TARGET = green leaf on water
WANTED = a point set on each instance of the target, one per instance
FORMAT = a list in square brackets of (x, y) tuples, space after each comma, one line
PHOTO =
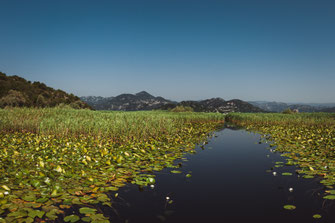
[(111, 188), (71, 218), (18, 214), (76, 201), (29, 220), (5, 187), (52, 214), (329, 197), (42, 200), (286, 174), (86, 219), (308, 176), (317, 216), (188, 175), (29, 197), (151, 180), (289, 207), (36, 213), (175, 171), (86, 210)]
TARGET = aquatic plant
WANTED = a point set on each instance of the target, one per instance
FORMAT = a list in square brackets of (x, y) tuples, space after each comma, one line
[(55, 159), (307, 139)]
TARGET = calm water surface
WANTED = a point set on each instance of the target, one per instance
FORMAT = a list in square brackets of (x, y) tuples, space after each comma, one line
[(231, 182)]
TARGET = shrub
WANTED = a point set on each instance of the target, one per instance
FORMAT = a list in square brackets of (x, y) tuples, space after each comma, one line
[(180, 108), (288, 111)]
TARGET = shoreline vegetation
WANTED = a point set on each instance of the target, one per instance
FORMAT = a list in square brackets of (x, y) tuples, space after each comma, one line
[(306, 139), (60, 164), (53, 160)]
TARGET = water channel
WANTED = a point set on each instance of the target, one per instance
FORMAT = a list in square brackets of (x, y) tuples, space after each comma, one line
[(232, 181)]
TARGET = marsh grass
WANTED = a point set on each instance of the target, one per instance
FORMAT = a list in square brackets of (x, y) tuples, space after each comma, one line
[(71, 122), (299, 119)]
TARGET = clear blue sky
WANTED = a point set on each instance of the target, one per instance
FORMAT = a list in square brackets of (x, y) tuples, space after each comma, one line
[(281, 50)]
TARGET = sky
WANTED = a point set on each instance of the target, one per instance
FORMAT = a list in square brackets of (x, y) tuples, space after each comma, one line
[(271, 50)]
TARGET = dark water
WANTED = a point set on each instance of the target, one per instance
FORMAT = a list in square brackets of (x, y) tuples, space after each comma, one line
[(230, 182)]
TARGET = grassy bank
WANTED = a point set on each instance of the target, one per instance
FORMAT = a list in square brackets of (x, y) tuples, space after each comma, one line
[(55, 159), (307, 139)]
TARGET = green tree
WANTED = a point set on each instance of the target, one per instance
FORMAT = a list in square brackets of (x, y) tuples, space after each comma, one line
[(14, 99)]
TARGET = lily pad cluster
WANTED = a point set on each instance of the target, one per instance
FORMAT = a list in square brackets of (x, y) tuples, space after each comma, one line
[(43, 175), (308, 140)]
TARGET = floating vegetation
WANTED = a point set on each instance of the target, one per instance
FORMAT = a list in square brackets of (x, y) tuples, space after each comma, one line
[(289, 207), (286, 174), (188, 175), (317, 216), (307, 139), (55, 159)]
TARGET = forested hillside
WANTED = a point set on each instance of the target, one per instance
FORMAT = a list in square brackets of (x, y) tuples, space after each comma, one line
[(15, 91)]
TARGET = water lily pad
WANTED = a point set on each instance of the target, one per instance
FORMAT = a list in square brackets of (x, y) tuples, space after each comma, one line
[(308, 176), (188, 175), (86, 219), (5, 187), (42, 200), (111, 188), (36, 213), (71, 218), (289, 207), (18, 214), (329, 197), (151, 180), (286, 174), (52, 214), (29, 197), (316, 216), (175, 171), (86, 210)]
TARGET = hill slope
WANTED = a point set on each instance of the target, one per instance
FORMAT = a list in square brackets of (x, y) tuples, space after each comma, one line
[(17, 92)]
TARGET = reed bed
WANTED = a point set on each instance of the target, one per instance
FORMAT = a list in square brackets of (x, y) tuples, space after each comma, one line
[(71, 122), (322, 119)]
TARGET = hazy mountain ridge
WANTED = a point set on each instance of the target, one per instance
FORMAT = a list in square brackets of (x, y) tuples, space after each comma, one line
[(145, 101), (302, 107)]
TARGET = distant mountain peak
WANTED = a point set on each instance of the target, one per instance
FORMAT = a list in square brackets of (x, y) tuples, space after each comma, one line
[(143, 93), (128, 102)]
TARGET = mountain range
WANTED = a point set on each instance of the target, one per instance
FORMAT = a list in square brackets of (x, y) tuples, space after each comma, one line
[(145, 101), (301, 107), (15, 91)]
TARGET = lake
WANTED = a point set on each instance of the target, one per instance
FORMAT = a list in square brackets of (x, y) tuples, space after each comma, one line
[(232, 181)]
